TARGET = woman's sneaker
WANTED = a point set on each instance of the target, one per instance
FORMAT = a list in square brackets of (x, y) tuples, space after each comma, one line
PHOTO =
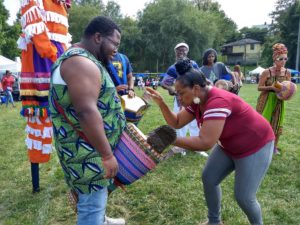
[(176, 150)]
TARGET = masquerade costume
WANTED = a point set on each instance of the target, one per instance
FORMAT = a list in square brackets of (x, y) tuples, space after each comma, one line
[(44, 38)]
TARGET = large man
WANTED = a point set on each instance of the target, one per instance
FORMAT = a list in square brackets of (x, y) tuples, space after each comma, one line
[(120, 71), (87, 117), (181, 51)]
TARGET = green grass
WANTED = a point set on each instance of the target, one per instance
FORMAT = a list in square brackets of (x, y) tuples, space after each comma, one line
[(170, 195)]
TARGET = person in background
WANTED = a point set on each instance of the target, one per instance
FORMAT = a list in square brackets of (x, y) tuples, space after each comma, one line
[(120, 72), (230, 126), (181, 52), (88, 119), (214, 70), (147, 83), (239, 77), (8, 81), (272, 108)]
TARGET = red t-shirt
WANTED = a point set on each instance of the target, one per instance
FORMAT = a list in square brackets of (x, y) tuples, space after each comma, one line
[(8, 81), (245, 130)]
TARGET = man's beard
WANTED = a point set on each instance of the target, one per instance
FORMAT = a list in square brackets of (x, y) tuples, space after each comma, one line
[(101, 56)]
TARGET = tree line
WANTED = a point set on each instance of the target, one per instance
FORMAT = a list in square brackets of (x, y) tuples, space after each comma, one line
[(148, 40)]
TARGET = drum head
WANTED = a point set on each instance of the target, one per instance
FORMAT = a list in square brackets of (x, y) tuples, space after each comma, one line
[(135, 104)]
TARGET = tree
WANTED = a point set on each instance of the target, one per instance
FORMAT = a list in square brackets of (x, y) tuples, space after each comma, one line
[(255, 33), (285, 28), (10, 48), (227, 29), (131, 42), (89, 2), (79, 17), (8, 34), (164, 23), (113, 10), (4, 15)]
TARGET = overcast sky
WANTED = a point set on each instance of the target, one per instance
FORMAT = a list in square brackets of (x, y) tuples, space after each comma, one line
[(242, 12)]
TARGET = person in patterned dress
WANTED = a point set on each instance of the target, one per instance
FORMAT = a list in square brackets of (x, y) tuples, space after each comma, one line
[(272, 108), (87, 118)]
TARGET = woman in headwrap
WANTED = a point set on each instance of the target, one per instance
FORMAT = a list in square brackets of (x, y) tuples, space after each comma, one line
[(272, 108), (44, 38)]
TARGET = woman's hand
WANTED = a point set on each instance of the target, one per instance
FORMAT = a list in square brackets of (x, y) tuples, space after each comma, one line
[(275, 89), (155, 96)]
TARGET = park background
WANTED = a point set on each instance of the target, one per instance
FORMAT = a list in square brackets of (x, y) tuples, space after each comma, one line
[(172, 194)]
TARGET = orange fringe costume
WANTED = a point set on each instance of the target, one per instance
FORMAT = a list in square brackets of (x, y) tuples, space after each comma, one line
[(44, 38)]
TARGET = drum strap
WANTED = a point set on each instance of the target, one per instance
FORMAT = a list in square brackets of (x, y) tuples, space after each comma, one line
[(82, 135), (62, 112)]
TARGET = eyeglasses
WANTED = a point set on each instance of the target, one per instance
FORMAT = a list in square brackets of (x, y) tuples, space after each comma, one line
[(281, 59), (181, 49), (115, 44)]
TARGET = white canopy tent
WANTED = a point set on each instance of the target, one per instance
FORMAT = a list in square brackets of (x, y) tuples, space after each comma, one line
[(256, 71), (7, 64)]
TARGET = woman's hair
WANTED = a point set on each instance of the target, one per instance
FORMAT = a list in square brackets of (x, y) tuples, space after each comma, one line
[(279, 49), (237, 68), (188, 76), (101, 24), (206, 54)]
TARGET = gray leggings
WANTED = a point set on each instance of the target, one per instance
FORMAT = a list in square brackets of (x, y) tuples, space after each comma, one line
[(249, 172)]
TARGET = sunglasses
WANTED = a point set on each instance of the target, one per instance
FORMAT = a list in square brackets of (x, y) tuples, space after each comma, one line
[(281, 59)]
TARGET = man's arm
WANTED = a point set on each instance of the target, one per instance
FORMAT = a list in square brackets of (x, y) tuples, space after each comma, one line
[(130, 80), (168, 81), (83, 80)]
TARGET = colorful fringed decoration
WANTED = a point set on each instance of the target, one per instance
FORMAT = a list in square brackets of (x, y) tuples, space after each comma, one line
[(44, 38)]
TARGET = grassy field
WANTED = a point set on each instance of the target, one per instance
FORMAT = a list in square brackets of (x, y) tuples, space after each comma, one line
[(170, 195)]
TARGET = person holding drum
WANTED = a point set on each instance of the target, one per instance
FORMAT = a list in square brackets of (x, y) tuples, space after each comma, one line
[(272, 108), (88, 119), (120, 71), (230, 126)]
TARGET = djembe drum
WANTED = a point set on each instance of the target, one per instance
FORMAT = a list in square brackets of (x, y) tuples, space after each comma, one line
[(134, 108), (287, 90), (138, 154)]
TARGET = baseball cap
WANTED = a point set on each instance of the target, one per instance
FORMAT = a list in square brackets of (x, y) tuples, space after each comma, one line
[(182, 44)]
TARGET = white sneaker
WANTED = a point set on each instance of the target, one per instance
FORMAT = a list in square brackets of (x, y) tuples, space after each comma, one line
[(176, 149), (203, 154), (113, 221)]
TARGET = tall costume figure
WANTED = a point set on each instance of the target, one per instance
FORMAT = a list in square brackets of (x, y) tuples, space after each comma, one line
[(272, 108), (44, 38)]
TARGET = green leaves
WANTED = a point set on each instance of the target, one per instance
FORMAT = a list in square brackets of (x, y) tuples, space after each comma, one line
[(8, 34)]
